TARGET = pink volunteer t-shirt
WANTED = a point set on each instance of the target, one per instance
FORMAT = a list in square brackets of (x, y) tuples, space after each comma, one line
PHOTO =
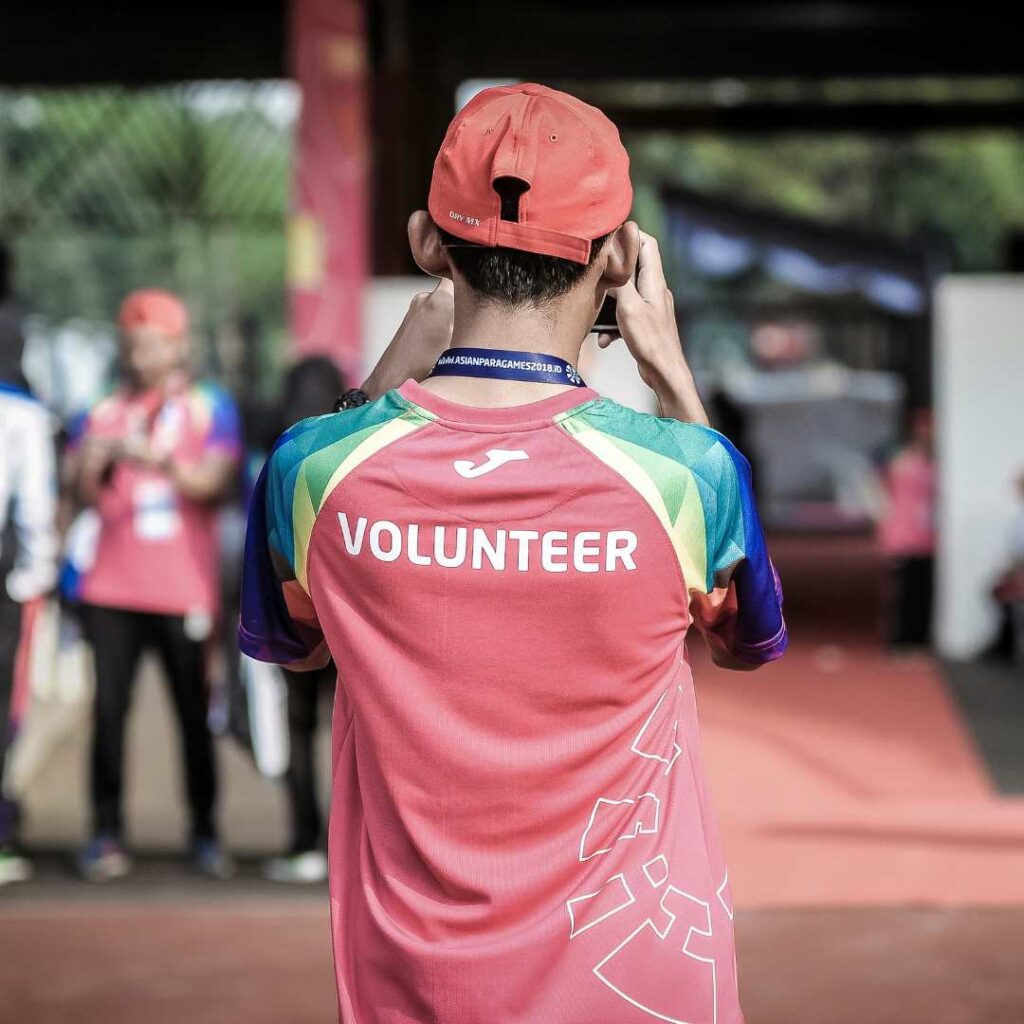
[(158, 550), (520, 827)]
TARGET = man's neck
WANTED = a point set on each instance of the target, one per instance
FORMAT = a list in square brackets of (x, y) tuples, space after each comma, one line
[(558, 329)]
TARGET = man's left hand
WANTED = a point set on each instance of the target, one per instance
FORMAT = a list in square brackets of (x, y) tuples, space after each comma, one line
[(423, 335)]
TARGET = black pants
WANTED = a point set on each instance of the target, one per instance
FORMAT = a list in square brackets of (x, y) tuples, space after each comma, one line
[(10, 635), (118, 639), (304, 694), (910, 614)]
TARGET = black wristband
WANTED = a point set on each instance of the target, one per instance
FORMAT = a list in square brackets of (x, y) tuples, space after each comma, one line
[(351, 399)]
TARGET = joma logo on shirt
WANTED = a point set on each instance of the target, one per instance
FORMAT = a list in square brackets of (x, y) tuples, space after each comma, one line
[(515, 550), (496, 458)]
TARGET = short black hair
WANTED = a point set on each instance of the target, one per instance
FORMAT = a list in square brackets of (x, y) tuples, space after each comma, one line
[(513, 277)]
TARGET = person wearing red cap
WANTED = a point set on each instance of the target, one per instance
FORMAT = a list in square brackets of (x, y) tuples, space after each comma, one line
[(505, 567), (156, 457)]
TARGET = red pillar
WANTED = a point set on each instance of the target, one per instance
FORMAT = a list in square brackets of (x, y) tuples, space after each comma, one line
[(327, 238)]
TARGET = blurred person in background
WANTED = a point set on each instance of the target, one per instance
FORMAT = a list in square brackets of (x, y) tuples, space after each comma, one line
[(155, 459), (28, 543), (907, 536), (311, 388), (1008, 591)]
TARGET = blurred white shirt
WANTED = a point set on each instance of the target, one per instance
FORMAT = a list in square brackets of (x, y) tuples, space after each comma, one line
[(28, 492)]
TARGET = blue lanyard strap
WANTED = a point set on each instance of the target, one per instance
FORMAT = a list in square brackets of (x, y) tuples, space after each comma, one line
[(536, 367)]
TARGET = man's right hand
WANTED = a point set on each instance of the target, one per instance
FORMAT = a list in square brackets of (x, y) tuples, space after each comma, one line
[(423, 335), (647, 323)]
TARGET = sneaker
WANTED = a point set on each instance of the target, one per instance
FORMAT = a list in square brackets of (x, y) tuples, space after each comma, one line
[(103, 860), (13, 868), (297, 868), (210, 859)]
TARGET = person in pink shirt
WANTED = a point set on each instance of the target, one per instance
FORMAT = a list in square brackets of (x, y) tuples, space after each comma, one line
[(506, 567), (156, 457), (906, 535)]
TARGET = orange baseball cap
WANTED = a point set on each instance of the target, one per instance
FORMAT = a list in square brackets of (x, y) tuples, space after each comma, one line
[(153, 307), (566, 153)]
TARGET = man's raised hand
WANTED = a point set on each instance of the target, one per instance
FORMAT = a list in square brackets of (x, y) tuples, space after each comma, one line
[(646, 319), (422, 336)]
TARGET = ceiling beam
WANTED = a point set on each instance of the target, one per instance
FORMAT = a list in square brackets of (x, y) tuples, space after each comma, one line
[(894, 118)]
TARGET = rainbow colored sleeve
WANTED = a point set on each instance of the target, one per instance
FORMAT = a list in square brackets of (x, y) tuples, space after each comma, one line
[(742, 609), (278, 622), (698, 485)]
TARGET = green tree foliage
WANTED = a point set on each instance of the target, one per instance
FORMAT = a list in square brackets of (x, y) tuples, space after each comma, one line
[(104, 190), (965, 187)]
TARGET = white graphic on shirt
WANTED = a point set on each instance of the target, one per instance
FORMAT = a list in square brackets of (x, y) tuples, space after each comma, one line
[(652, 945), (613, 896), (655, 740), (655, 941), (498, 549), (496, 458), (661, 871), (651, 729), (607, 827), (720, 893)]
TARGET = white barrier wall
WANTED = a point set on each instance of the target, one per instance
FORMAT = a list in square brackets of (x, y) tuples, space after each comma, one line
[(979, 394), (612, 372), (387, 299)]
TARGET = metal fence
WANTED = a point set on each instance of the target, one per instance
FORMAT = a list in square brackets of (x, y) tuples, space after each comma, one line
[(107, 189)]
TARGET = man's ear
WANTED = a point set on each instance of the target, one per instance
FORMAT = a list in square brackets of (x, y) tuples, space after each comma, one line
[(620, 254), (427, 249)]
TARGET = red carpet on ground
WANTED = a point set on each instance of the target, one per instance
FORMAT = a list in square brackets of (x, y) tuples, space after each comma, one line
[(845, 776)]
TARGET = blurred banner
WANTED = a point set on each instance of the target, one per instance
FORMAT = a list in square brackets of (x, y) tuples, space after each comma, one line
[(327, 234)]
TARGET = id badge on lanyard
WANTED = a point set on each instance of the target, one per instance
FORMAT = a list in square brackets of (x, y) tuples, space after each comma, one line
[(499, 364), (155, 512)]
